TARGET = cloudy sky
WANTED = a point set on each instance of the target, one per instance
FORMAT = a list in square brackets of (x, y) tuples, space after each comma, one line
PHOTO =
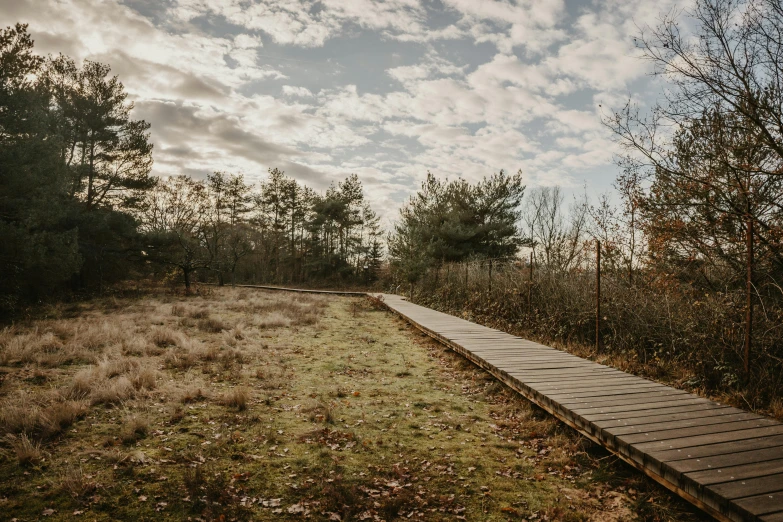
[(385, 89)]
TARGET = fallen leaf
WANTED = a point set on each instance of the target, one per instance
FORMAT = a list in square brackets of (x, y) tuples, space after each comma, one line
[(297, 509)]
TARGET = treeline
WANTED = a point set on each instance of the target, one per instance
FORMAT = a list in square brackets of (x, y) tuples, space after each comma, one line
[(691, 240), (225, 230), (79, 208)]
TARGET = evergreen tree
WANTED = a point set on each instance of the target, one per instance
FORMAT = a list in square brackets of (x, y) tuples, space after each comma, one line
[(39, 249), (456, 221)]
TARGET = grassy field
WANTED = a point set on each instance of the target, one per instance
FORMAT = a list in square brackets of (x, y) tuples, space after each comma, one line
[(238, 404)]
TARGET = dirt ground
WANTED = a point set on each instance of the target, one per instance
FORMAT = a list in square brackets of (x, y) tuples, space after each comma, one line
[(240, 404)]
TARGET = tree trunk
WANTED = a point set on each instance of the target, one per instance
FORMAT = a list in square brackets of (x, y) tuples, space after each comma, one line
[(91, 176), (186, 275)]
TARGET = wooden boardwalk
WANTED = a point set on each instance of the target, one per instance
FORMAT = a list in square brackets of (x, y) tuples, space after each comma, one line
[(726, 461)]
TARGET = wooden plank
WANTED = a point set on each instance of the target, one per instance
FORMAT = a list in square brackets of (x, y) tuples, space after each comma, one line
[(589, 384), (585, 372), (688, 413), (685, 422), (740, 472), (669, 455), (761, 504), (597, 399), (661, 435), (769, 484), (607, 391), (710, 439), (685, 401), (617, 416), (728, 460)]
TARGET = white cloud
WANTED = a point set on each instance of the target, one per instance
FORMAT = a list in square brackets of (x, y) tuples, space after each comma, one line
[(432, 65), (373, 87), (294, 91)]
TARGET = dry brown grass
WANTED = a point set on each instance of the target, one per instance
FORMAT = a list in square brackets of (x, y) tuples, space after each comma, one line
[(61, 415), (320, 412), (76, 483), (134, 428), (238, 398), (776, 409), (164, 337), (192, 394), (112, 392), (272, 320), (27, 451), (144, 378), (213, 325), (180, 359)]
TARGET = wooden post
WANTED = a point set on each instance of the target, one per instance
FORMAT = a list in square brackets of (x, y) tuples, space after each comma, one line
[(749, 297), (466, 276), (530, 286), (597, 296)]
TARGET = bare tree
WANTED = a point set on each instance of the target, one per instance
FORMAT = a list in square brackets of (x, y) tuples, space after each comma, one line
[(557, 233), (173, 216)]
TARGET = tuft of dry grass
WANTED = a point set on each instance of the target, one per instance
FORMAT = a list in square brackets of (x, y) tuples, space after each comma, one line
[(776, 408), (136, 346), (209, 354), (192, 394), (134, 428), (212, 325), (199, 314), (164, 337), (236, 398), (272, 320), (28, 452), (112, 392), (25, 414), (76, 483), (320, 412), (180, 359), (61, 415), (144, 378)]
